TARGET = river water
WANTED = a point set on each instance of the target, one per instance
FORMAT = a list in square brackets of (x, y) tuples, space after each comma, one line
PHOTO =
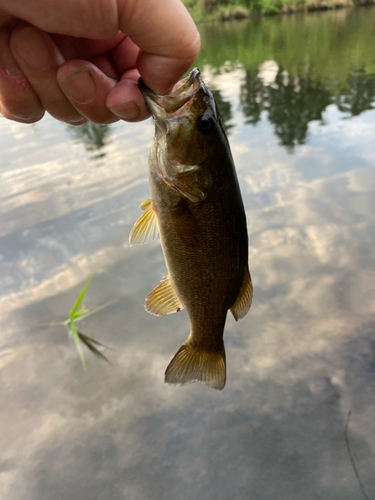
[(297, 96)]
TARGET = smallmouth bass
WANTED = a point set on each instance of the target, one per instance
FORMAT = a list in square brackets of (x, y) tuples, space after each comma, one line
[(197, 208)]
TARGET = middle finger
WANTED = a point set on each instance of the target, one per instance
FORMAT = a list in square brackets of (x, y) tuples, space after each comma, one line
[(39, 58)]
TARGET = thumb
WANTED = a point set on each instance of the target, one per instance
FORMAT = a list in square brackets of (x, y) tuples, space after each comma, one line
[(167, 36)]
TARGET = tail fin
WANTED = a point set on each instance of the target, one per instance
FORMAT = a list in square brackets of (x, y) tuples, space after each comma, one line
[(192, 364)]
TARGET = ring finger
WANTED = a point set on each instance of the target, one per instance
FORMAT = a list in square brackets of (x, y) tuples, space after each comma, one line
[(18, 101), (39, 58)]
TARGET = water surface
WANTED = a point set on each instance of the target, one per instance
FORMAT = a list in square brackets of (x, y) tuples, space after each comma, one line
[(297, 96)]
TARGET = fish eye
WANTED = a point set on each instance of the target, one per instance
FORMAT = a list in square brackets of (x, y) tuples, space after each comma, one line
[(206, 123)]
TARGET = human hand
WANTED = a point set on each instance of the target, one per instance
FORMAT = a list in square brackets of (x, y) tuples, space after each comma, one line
[(81, 60)]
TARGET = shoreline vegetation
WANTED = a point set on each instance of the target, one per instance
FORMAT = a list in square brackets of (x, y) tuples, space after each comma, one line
[(228, 10)]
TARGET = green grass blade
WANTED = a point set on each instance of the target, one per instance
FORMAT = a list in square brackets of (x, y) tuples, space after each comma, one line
[(89, 343), (80, 297), (77, 315), (87, 312), (74, 333)]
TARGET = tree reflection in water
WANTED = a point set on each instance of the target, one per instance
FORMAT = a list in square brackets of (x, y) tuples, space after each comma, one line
[(291, 102), (224, 108), (360, 96), (93, 136)]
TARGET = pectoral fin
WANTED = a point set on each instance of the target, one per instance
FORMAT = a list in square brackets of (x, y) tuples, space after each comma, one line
[(146, 204), (194, 184), (145, 229), (163, 299), (245, 296), (186, 226)]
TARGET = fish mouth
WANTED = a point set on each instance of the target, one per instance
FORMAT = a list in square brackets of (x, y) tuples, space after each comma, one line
[(182, 92)]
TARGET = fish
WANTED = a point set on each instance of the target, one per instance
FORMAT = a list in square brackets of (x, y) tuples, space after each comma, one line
[(197, 208)]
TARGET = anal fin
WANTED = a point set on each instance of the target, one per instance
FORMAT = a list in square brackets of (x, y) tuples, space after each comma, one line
[(163, 299), (192, 364), (146, 228), (245, 296)]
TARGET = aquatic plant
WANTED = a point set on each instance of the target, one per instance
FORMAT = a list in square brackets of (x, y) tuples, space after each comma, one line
[(78, 314)]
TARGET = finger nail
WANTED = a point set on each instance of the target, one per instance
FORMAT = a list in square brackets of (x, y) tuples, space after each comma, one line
[(31, 47), (79, 86), (32, 117), (11, 68), (128, 111), (8, 63)]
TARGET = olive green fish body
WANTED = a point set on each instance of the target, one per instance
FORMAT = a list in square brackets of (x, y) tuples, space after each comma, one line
[(197, 205), (206, 252)]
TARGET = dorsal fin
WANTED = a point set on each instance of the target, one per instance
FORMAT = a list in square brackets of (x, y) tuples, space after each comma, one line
[(192, 364), (245, 296), (146, 228), (163, 299)]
